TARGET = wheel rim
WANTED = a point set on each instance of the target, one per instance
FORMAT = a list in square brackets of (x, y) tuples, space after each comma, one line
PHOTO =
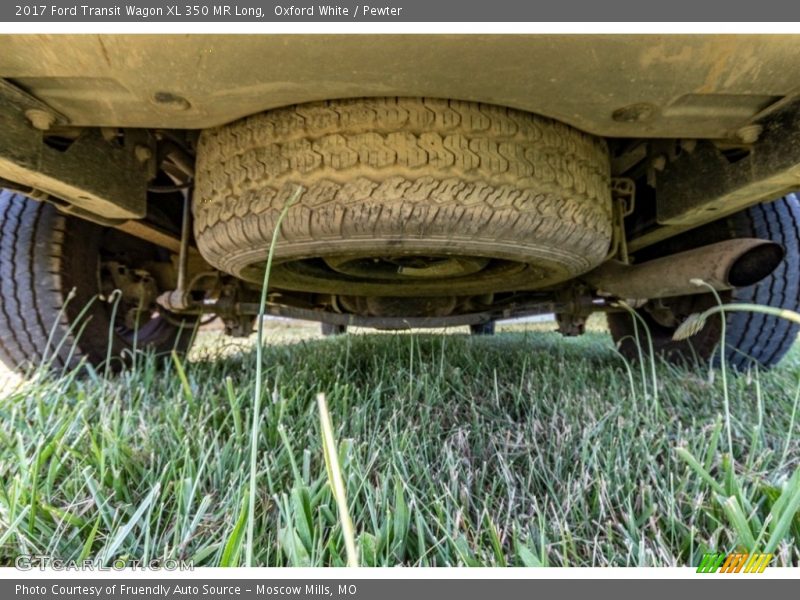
[(404, 275)]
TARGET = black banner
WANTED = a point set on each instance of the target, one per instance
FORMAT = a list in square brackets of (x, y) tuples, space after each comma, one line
[(712, 585), (255, 11)]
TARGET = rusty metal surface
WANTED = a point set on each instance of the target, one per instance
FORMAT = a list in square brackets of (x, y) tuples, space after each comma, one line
[(146, 231), (509, 312), (693, 86), (753, 259)]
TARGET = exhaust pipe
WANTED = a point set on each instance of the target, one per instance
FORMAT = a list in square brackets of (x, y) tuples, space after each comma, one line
[(724, 265)]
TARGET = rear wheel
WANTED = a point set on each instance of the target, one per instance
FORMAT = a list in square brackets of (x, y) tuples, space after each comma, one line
[(750, 338), (57, 300)]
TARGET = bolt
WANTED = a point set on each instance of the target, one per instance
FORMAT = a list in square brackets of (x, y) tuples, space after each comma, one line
[(142, 153), (749, 134), (40, 119)]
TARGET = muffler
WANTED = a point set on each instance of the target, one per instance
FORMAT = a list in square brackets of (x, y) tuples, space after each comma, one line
[(724, 265)]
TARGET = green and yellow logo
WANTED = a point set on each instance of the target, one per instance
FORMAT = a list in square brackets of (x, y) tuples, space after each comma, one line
[(716, 562)]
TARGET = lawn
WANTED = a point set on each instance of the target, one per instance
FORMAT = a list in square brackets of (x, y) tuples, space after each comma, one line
[(521, 449)]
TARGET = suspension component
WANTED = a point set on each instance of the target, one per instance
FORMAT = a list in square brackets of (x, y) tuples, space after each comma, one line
[(178, 299)]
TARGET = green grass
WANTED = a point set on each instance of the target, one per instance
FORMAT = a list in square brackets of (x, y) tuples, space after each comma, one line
[(523, 449)]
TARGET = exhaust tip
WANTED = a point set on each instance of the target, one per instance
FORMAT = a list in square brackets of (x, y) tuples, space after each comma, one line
[(755, 264)]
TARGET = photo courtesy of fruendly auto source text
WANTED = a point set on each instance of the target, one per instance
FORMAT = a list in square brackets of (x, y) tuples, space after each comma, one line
[(414, 298)]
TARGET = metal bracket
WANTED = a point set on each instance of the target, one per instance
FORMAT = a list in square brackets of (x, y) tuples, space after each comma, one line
[(623, 196), (476, 318), (704, 185), (179, 298), (229, 307), (94, 174)]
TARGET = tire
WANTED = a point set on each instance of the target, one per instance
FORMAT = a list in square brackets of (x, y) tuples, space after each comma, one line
[(329, 329), (751, 339), (482, 328), (44, 255), (474, 198)]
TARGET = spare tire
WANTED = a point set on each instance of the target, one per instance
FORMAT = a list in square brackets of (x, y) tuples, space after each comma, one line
[(403, 197)]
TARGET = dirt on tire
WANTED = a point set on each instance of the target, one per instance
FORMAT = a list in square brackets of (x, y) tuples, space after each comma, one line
[(526, 200)]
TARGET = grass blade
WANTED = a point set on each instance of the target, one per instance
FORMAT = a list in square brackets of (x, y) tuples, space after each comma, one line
[(257, 392), (336, 481), (233, 547), (108, 551)]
